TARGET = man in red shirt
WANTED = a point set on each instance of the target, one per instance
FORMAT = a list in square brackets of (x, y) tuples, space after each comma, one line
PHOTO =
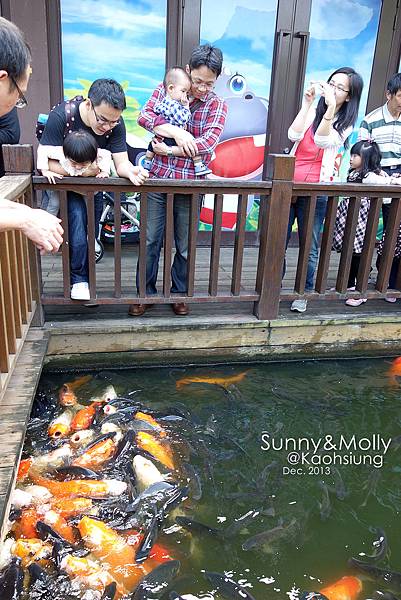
[(208, 114)]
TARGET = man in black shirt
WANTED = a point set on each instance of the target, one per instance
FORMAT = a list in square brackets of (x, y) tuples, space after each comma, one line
[(9, 133), (100, 114)]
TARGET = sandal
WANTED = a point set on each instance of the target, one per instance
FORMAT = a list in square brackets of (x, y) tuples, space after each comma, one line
[(355, 301)]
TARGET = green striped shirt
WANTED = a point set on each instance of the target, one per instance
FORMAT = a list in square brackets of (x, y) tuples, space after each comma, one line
[(381, 127)]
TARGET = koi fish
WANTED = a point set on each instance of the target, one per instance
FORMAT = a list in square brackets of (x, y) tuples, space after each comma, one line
[(39, 494), (112, 551), (394, 371), (221, 381), (71, 507), (140, 416), (31, 550), (84, 417), (112, 427), (97, 454), (60, 426), (146, 473), (346, 588), (59, 525), (20, 498), (67, 395), (90, 573), (23, 468), (90, 488), (80, 438), (53, 459), (25, 527), (162, 452)]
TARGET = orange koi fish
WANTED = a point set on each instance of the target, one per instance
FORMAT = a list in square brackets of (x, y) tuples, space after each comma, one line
[(158, 552), (85, 488), (112, 551), (97, 455), (67, 395), (161, 451), (25, 527), (31, 550), (60, 525), (222, 381), (84, 417), (346, 588), (61, 425), (23, 468), (394, 372), (140, 416), (71, 507), (90, 573)]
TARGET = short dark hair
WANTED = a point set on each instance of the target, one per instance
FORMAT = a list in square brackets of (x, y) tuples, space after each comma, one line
[(108, 91), (370, 154), (15, 55), (207, 56), (80, 146), (394, 85), (172, 76)]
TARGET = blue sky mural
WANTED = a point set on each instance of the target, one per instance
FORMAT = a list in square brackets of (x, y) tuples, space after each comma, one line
[(123, 39)]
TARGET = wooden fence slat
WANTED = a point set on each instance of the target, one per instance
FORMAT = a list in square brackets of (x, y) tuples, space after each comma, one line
[(239, 244), (117, 245), (28, 278), (192, 238), (216, 241), (305, 244), (15, 283), (368, 244), (65, 249), (8, 298), (4, 349), (168, 244), (22, 283), (390, 241), (325, 247), (354, 204), (90, 211), (142, 245)]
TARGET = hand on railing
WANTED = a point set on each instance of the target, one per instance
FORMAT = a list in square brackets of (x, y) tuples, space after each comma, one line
[(51, 176)]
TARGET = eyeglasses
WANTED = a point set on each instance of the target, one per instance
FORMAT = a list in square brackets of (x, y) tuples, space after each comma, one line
[(339, 88), (22, 101), (202, 84), (100, 119)]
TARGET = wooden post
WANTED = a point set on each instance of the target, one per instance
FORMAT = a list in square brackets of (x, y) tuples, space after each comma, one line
[(18, 159), (273, 235)]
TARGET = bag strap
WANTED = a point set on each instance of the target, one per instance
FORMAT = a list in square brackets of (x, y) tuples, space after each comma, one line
[(71, 107)]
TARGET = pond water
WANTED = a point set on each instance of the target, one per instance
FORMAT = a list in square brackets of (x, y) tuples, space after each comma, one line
[(299, 451)]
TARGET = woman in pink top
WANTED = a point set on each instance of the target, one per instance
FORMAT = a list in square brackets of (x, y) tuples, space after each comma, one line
[(318, 134)]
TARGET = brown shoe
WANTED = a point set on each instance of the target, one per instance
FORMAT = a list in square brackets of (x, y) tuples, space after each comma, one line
[(180, 308), (137, 310)]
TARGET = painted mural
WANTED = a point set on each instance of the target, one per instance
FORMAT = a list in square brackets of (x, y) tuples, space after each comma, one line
[(126, 40)]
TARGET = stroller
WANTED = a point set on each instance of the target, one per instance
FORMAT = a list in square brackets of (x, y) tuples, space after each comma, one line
[(129, 222)]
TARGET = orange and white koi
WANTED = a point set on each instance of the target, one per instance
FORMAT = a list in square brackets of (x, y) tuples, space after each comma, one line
[(81, 438), (25, 527), (112, 551), (160, 450), (71, 507), (90, 574), (67, 395), (346, 588), (146, 473), (90, 488), (84, 417), (221, 381), (394, 372), (149, 419), (110, 428), (97, 455), (31, 550), (61, 426), (54, 459), (60, 525)]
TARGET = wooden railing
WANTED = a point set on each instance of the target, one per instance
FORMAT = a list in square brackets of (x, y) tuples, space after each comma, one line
[(276, 195), (19, 270)]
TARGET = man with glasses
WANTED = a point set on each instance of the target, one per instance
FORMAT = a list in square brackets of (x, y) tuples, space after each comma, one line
[(43, 229), (208, 114), (100, 115)]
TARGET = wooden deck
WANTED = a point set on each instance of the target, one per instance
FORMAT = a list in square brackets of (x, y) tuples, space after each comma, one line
[(52, 284)]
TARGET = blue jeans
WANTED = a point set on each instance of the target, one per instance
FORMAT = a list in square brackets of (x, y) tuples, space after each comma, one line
[(297, 211), (77, 231), (156, 219)]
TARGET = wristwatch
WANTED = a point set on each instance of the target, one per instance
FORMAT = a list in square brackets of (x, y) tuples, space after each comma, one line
[(169, 151)]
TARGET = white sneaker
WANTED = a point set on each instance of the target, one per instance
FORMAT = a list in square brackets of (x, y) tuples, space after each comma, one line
[(390, 299), (299, 305), (80, 291)]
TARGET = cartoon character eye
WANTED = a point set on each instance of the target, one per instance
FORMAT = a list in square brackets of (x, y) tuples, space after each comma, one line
[(237, 84)]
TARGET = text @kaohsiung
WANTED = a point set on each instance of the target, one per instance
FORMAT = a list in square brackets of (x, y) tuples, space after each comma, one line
[(329, 449)]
